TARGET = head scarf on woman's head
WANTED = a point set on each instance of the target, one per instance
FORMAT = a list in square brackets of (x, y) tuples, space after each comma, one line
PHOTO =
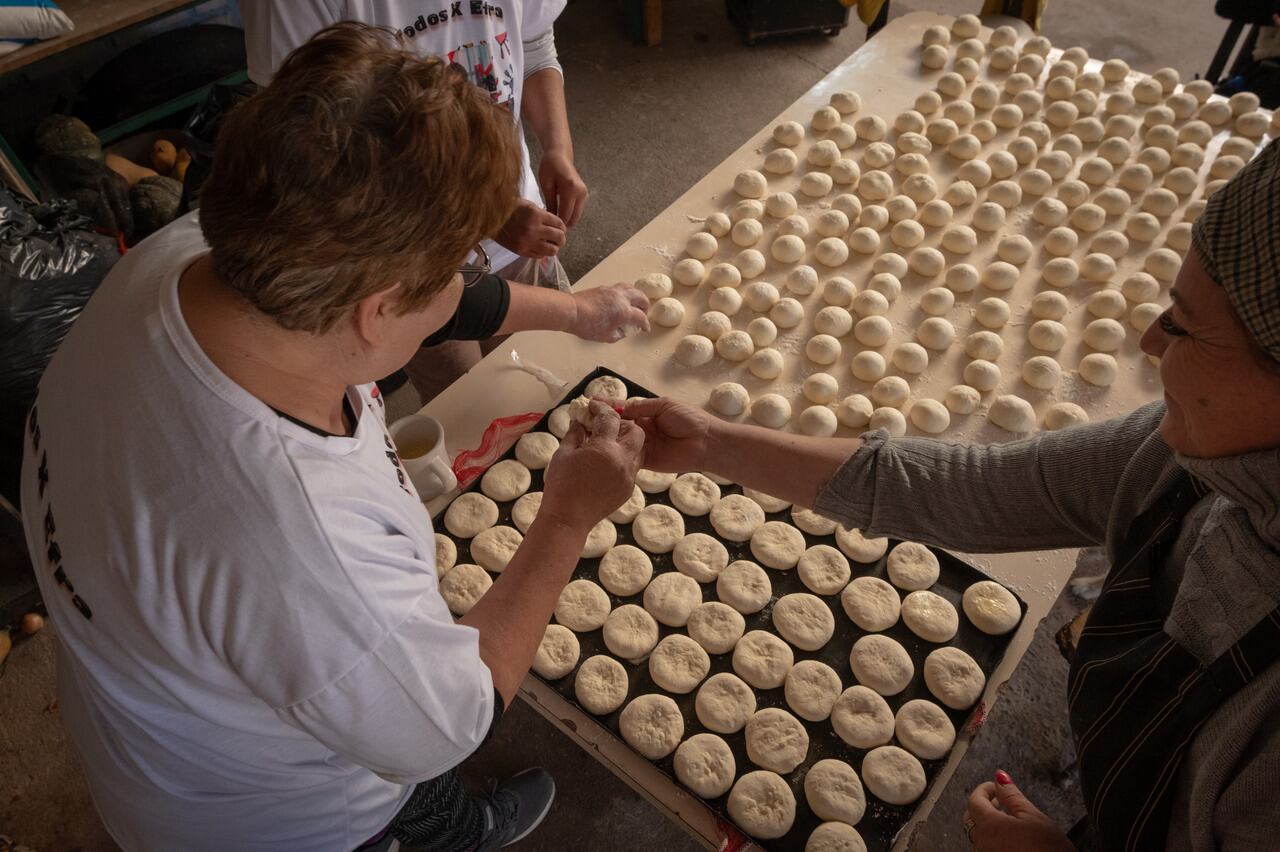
[(1238, 240)]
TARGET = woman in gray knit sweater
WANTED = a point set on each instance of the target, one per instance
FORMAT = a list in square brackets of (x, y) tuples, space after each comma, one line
[(1174, 694)]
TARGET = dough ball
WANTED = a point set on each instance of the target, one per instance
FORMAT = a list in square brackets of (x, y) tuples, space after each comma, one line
[(705, 764), (832, 223), (861, 718), (625, 570), (924, 729), (762, 805), (911, 358), (988, 216), (655, 285), (991, 607), (557, 654), (819, 421), (713, 324), (963, 399), (773, 410), (882, 664), (1105, 335), (789, 133), (781, 162), (930, 416), (824, 153), (831, 251), (891, 420), (729, 398), (535, 449), (735, 345), (777, 545), (724, 703), (816, 184), (667, 312), (525, 510), (700, 556), (855, 410), (787, 249), (470, 514), (1061, 242), (893, 775), (693, 350), (694, 494), (702, 246), (982, 375), (506, 480), (930, 616), (834, 792), (690, 272), (1063, 415), (747, 232), (463, 586), (749, 262), (776, 740), (1142, 316), (927, 262), (744, 586), (716, 626), (750, 184), (821, 349), (1000, 276), (1099, 368), (912, 566), (1163, 264), (446, 554), (986, 345), (825, 118), (652, 725), (678, 664), (954, 678), (792, 226), (871, 603), (658, 528), (762, 659), (1012, 413), (846, 102), (582, 606), (1041, 372), (811, 522), (671, 598), (892, 391), (937, 301), (653, 482), (766, 364), (935, 333), (823, 569), (494, 547), (804, 620), (962, 278), (1097, 267), (601, 685), (736, 518), (1047, 335)]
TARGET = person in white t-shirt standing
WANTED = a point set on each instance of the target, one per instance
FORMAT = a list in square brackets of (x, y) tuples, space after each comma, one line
[(505, 47), (253, 651)]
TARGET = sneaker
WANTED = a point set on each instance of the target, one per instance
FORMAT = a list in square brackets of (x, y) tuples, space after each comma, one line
[(516, 807)]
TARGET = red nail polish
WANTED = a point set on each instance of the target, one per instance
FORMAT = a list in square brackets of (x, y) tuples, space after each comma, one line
[(1002, 777)]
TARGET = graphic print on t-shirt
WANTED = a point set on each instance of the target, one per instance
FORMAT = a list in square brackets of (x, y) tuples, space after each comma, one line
[(486, 63)]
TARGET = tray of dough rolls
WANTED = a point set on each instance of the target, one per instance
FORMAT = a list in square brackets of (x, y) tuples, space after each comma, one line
[(798, 678)]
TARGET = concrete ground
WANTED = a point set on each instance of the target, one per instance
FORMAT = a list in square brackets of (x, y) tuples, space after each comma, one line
[(647, 123)]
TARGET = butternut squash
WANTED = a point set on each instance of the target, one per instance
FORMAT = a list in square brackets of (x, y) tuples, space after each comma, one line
[(163, 156)]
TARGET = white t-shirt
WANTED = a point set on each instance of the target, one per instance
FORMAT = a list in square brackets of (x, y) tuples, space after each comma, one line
[(484, 37), (253, 651)]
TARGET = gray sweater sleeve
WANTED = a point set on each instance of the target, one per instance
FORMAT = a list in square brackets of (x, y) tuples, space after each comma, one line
[(1052, 490)]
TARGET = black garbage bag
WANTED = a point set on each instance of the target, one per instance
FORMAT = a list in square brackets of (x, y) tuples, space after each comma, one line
[(51, 261), (98, 192), (202, 127)]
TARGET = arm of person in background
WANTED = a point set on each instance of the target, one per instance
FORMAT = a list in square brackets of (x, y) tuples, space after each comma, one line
[(542, 106), (590, 476), (1052, 490), (492, 307)]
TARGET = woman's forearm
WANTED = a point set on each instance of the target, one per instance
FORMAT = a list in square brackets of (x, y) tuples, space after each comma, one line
[(784, 465)]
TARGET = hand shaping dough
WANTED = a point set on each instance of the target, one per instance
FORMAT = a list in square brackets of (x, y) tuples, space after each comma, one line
[(652, 725), (705, 764), (954, 678), (804, 620), (470, 514), (762, 805), (893, 775), (930, 616), (724, 703), (557, 654), (991, 607), (762, 659), (745, 586), (924, 729), (912, 566), (777, 545), (882, 664), (601, 685), (716, 626), (862, 718), (776, 740), (658, 528), (834, 791), (463, 586), (630, 632), (811, 689), (582, 606), (678, 664), (670, 597)]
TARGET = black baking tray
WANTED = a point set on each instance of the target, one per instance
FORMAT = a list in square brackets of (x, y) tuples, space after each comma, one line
[(882, 822)]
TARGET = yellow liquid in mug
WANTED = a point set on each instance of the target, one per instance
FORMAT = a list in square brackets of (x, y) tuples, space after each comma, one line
[(414, 448)]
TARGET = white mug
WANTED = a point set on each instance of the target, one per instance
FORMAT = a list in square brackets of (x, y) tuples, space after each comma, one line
[(419, 441)]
